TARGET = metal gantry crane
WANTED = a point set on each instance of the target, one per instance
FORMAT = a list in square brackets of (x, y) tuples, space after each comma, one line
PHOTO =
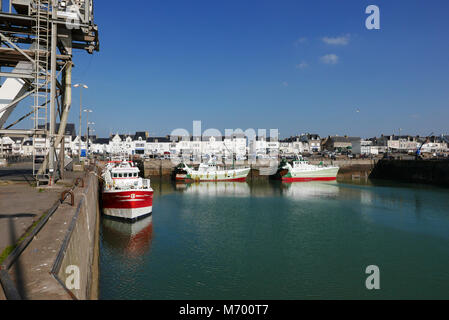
[(38, 38)]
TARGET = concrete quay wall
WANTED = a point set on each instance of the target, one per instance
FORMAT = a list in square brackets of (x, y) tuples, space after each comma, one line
[(416, 171), (80, 248)]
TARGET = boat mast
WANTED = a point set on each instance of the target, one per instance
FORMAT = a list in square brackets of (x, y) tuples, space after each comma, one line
[(233, 155)]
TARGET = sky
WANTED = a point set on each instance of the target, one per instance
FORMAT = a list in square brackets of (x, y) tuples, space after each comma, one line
[(296, 66)]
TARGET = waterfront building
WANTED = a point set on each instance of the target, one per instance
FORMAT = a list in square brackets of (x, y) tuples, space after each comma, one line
[(235, 144), (120, 144), (435, 145), (212, 145), (99, 145), (27, 148), (293, 146), (339, 143), (258, 146), (157, 146), (402, 143), (6, 145), (77, 144), (311, 142), (364, 147)]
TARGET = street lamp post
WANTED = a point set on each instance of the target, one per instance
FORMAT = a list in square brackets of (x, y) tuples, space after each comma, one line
[(91, 130), (81, 86), (88, 134), (87, 111)]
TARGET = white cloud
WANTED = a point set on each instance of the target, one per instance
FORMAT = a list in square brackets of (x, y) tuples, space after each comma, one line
[(339, 41), (300, 41), (302, 65), (330, 58)]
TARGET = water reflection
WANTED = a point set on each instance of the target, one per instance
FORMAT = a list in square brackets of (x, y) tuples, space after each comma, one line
[(228, 240), (132, 239), (214, 189), (310, 190), (295, 190)]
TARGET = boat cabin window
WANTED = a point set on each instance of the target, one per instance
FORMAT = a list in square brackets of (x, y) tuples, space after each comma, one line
[(115, 175), (135, 174), (120, 175)]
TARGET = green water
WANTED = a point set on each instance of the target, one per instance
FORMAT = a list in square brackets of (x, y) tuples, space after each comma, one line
[(277, 241)]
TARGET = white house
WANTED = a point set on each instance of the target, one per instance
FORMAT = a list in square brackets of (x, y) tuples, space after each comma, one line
[(311, 142), (6, 144), (293, 146), (235, 144), (157, 146), (362, 147)]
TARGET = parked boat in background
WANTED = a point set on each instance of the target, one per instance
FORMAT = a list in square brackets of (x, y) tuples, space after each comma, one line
[(126, 195), (302, 170), (210, 172)]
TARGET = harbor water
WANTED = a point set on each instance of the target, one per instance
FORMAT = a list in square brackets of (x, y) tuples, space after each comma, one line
[(269, 240)]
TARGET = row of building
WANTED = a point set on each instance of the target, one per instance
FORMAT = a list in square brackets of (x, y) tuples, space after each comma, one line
[(142, 144)]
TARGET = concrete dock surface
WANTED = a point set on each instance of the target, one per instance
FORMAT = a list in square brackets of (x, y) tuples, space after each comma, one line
[(31, 271), (22, 205)]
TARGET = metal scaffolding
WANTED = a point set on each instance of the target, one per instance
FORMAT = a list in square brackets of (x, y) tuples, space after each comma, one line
[(37, 42)]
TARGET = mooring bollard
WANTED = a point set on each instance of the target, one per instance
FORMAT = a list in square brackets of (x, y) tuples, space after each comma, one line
[(72, 197), (78, 180)]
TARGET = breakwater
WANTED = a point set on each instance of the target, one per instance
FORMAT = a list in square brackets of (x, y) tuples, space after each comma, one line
[(416, 171)]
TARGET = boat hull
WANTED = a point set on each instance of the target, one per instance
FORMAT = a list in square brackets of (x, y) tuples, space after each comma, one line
[(130, 204), (321, 174), (309, 179), (243, 179), (238, 175)]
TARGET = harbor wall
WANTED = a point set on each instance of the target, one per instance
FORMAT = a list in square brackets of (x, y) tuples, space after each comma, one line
[(163, 169), (81, 246), (416, 171)]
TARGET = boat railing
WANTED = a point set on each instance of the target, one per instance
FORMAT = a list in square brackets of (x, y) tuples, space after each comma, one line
[(146, 183)]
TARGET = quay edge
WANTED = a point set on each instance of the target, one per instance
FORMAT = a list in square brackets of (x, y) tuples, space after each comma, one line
[(70, 238)]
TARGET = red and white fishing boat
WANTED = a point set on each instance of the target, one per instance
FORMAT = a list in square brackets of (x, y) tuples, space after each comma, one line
[(126, 195)]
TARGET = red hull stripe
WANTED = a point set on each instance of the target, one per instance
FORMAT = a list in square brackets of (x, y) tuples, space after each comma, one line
[(309, 179), (192, 180), (127, 199)]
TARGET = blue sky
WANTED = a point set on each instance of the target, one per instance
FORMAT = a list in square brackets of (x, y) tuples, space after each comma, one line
[(298, 66)]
